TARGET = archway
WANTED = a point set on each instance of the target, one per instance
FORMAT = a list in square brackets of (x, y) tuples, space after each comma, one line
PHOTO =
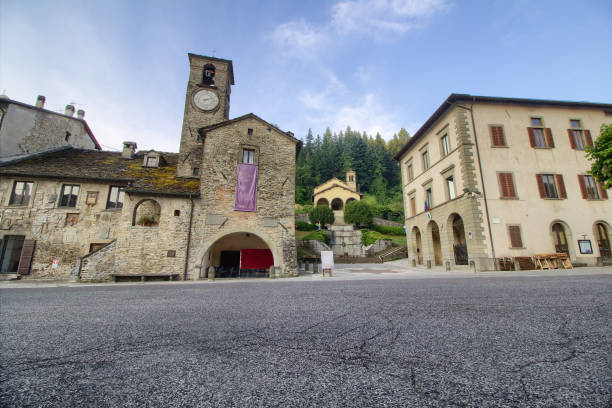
[(435, 239), (323, 201), (458, 239), (337, 204), (417, 244), (350, 199), (147, 213), (602, 235), (560, 238), (238, 255)]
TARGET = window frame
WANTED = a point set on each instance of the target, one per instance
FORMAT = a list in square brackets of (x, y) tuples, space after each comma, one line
[(429, 197), (520, 232), (120, 195), (21, 203), (595, 189), (501, 185), (503, 135), (62, 194), (539, 127), (250, 154), (409, 171), (445, 148), (551, 189), (425, 159)]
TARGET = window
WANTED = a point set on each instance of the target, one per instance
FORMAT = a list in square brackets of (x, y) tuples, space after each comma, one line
[(578, 137), (151, 162), (539, 136), (506, 185), (70, 193), (450, 185), (196, 171), (551, 186), (589, 189), (412, 206), (115, 198), (410, 172), (497, 136), (250, 132), (351, 178), (248, 156), (514, 231), (429, 199), (445, 145), (21, 193), (425, 160)]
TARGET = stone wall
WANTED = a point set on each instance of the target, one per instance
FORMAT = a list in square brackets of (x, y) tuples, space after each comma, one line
[(60, 233), (98, 265), (386, 223)]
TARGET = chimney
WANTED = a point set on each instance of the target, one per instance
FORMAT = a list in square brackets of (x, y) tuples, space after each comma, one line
[(40, 101), (81, 114), (129, 148), (69, 110)]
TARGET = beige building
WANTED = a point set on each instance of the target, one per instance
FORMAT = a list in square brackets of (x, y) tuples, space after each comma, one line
[(223, 204), (488, 178), (336, 194)]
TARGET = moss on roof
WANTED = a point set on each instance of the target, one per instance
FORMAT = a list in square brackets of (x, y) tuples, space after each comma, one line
[(103, 166)]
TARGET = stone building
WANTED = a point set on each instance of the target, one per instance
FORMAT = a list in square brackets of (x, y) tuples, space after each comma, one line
[(223, 203), (27, 129), (490, 178), (336, 193)]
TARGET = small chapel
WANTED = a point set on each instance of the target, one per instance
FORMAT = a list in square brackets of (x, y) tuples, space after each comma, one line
[(336, 193), (220, 207)]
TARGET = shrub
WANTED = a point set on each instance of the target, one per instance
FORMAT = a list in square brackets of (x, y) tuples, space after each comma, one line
[(389, 230), (146, 221), (368, 237), (358, 212), (304, 226), (321, 214), (319, 235), (303, 209)]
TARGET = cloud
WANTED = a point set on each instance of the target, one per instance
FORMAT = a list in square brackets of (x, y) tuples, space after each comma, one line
[(299, 37), (381, 17)]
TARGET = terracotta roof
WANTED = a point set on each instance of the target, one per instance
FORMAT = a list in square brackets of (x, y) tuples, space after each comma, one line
[(94, 165), (453, 98)]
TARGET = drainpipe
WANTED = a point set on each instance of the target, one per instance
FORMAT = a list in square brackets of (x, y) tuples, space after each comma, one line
[(484, 193), (188, 239)]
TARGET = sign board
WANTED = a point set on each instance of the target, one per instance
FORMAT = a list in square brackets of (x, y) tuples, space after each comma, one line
[(327, 259), (55, 263), (585, 246)]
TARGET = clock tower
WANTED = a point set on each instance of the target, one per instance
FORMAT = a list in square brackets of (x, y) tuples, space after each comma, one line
[(206, 103)]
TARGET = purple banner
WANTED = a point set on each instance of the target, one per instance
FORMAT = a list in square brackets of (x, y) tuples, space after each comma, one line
[(246, 187)]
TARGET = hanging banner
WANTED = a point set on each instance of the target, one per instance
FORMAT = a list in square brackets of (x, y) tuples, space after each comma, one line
[(256, 259), (246, 187)]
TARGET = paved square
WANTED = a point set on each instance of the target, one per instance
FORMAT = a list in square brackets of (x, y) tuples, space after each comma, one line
[(470, 341)]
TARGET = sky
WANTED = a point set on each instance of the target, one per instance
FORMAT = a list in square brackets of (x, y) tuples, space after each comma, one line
[(374, 65)]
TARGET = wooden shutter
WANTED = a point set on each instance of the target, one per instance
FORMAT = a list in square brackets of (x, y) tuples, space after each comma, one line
[(541, 188), (570, 133), (515, 236), (531, 137), (412, 206), (549, 139), (561, 186), (587, 136), (506, 183), (583, 189), (602, 192), (497, 135), (27, 254)]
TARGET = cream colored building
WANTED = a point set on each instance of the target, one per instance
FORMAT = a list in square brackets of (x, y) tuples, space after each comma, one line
[(488, 178), (336, 194)]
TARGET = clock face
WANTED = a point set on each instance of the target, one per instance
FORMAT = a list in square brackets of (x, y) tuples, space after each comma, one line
[(205, 99)]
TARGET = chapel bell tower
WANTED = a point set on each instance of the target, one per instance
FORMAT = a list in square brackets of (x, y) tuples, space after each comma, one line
[(206, 103)]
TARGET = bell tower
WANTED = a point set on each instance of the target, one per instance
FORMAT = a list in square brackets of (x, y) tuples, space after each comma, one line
[(207, 102)]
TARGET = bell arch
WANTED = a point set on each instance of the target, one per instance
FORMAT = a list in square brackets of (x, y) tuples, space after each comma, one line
[(322, 201), (147, 212)]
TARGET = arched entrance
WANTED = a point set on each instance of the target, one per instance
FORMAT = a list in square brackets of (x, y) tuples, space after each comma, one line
[(417, 244), (322, 201), (459, 243), (560, 238), (238, 255), (602, 235), (437, 245), (337, 204)]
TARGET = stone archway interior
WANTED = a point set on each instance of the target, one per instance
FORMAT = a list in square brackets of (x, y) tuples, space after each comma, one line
[(603, 240), (418, 245), (323, 201), (337, 204), (437, 245), (239, 255), (459, 243)]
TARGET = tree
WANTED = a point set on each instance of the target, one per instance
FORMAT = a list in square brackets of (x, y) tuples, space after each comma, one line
[(321, 214), (601, 155), (357, 212)]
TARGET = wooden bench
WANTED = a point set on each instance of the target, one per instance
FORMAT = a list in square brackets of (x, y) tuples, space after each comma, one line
[(144, 276), (551, 261)]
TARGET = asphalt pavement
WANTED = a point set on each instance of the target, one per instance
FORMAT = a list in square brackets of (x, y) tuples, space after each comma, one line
[(482, 341)]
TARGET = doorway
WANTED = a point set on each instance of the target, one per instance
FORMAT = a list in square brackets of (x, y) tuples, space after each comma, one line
[(11, 253), (603, 241), (418, 247), (560, 238), (437, 245), (459, 244)]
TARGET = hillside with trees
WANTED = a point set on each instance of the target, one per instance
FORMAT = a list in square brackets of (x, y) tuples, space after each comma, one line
[(371, 157)]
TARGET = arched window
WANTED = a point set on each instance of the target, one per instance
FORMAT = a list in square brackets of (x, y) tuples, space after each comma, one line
[(337, 204), (323, 201), (147, 213), (208, 74)]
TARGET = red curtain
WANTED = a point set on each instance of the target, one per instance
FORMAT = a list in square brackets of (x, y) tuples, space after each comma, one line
[(256, 259)]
